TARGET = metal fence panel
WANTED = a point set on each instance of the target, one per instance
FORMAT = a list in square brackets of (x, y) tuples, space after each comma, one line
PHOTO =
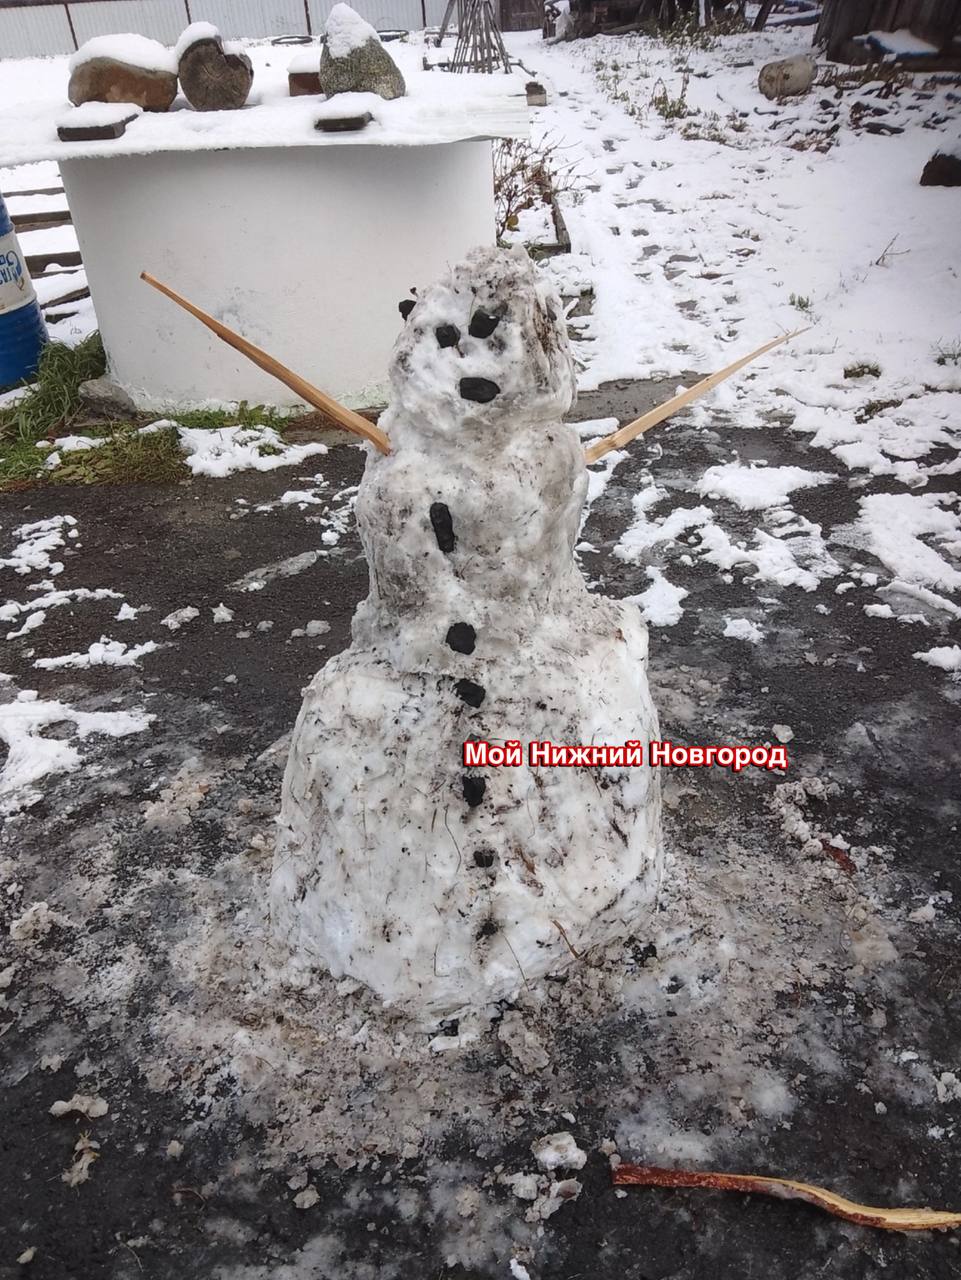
[(161, 20), (34, 33), (237, 18), (386, 15)]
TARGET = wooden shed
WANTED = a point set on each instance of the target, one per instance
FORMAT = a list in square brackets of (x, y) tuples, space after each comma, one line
[(938, 22)]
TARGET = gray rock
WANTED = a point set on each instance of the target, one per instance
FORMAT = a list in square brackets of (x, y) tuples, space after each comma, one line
[(104, 399), (787, 78), (213, 80), (110, 80), (366, 69)]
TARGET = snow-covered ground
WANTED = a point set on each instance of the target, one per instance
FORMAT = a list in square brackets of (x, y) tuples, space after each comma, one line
[(794, 542)]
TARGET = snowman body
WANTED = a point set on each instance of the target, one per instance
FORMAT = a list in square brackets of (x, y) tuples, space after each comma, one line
[(446, 886)]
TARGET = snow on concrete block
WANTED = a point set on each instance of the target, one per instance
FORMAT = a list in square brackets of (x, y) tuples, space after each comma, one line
[(442, 884), (354, 60), (303, 73), (213, 77), (123, 68), (787, 78)]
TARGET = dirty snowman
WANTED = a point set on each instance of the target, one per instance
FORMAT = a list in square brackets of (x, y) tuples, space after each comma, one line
[(441, 885)]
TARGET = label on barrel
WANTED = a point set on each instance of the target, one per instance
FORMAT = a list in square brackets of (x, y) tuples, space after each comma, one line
[(16, 288)]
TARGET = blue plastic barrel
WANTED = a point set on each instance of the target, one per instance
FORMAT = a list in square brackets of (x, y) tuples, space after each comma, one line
[(22, 331)]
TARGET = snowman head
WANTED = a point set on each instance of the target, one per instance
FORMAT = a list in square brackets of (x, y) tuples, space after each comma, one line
[(484, 350)]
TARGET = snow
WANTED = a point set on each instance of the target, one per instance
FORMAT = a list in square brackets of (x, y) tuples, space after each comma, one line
[(31, 757), (756, 488), (892, 526), (74, 444), (225, 450), (437, 109), (899, 42), (38, 539), (558, 1151), (347, 31), (174, 621), (350, 104), (660, 604), (304, 61), (743, 629), (135, 50), (102, 653), (96, 115), (191, 35), (947, 657)]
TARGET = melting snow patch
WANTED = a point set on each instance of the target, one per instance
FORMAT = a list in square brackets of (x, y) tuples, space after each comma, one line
[(660, 604), (743, 629), (37, 540), (229, 449), (558, 1151), (177, 619), (891, 527), (30, 756), (945, 656), (102, 653), (758, 488)]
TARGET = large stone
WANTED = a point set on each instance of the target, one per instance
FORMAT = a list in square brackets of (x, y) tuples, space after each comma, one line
[(112, 79), (214, 78), (787, 78), (102, 398), (942, 170), (354, 60)]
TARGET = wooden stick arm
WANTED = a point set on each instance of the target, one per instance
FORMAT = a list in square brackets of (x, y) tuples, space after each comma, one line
[(344, 417), (640, 425)]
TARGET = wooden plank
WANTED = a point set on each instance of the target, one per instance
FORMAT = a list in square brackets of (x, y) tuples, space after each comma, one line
[(36, 191), (40, 221), (75, 295), (37, 263)]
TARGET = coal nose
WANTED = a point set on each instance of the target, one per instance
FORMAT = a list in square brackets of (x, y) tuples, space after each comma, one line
[(481, 390)]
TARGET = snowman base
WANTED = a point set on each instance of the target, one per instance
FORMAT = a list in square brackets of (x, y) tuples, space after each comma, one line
[(444, 885)]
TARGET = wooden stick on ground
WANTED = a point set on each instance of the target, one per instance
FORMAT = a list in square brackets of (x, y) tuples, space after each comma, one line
[(344, 417), (865, 1215), (640, 425)]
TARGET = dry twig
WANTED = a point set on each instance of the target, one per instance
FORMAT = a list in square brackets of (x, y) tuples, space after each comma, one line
[(865, 1215)]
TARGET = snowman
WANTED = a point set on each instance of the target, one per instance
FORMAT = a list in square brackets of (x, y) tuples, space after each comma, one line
[(442, 885)]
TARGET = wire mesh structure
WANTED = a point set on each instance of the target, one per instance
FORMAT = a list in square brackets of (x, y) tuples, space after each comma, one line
[(480, 46)]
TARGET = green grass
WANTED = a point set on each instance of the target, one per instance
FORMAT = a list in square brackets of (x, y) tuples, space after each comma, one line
[(126, 457), (52, 408), (53, 401)]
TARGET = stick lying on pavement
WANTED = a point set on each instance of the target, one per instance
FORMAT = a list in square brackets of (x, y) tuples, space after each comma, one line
[(640, 425), (865, 1215), (345, 418)]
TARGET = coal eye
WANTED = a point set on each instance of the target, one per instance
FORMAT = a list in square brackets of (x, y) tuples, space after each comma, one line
[(482, 324), (448, 335), (406, 307)]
